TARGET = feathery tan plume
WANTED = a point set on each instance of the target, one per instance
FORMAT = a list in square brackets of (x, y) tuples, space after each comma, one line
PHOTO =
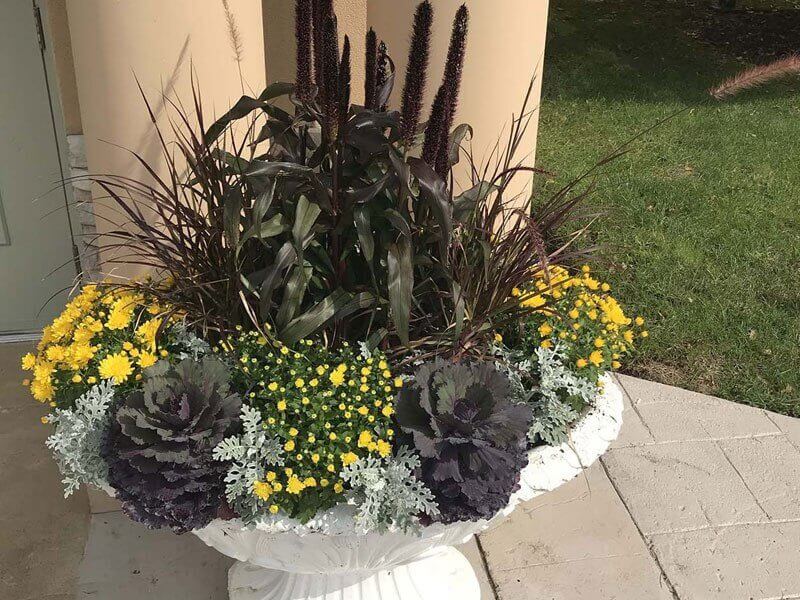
[(757, 76), (233, 33)]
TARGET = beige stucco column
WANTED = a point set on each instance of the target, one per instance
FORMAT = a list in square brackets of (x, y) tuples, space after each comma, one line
[(505, 49), (114, 42)]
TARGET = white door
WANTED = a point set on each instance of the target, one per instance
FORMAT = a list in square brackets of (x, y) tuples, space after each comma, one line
[(35, 234)]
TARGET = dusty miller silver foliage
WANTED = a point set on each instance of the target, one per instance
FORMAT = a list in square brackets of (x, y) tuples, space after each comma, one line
[(78, 435), (249, 453), (191, 346), (552, 417), (387, 493)]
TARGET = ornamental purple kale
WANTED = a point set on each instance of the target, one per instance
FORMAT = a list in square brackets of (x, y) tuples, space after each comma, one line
[(470, 436), (159, 446)]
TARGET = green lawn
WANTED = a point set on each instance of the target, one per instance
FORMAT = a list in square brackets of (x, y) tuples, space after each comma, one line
[(702, 234)]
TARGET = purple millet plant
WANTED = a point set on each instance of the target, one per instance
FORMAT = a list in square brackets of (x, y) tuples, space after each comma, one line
[(417, 71), (371, 68), (330, 68), (344, 84), (303, 33), (382, 76), (437, 135), (322, 9)]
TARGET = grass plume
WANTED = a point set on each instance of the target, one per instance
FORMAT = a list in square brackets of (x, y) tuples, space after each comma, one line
[(235, 39), (371, 68), (757, 76), (303, 33), (417, 71)]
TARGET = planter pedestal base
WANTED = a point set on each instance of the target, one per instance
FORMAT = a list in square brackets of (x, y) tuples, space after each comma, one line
[(442, 573)]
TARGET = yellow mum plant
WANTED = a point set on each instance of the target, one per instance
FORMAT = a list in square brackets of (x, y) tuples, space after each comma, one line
[(326, 408), (578, 312), (102, 334)]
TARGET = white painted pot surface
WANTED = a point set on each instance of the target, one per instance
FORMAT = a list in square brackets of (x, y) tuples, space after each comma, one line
[(331, 557)]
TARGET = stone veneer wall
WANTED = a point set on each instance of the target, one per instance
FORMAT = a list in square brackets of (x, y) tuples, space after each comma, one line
[(86, 230)]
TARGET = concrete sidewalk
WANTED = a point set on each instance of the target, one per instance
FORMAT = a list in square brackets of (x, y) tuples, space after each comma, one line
[(698, 499)]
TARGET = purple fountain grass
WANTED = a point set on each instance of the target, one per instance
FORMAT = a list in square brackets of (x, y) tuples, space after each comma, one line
[(437, 135), (757, 76), (454, 67)]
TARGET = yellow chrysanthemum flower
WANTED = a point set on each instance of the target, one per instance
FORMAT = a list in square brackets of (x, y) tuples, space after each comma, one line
[(121, 314), (146, 332), (294, 485), (42, 389), (337, 377), (534, 302), (262, 490), (349, 458), (147, 359), (115, 366), (384, 448), (364, 439), (28, 362)]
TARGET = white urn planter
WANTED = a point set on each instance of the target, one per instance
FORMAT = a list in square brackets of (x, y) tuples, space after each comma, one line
[(329, 558)]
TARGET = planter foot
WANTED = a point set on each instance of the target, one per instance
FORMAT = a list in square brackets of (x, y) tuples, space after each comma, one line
[(441, 574)]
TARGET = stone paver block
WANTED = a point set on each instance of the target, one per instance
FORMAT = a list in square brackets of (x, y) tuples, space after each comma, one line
[(670, 487), (701, 420), (100, 502), (789, 425), (770, 466), (650, 392), (578, 535), (473, 554), (631, 577), (672, 414), (126, 561), (634, 432), (743, 562)]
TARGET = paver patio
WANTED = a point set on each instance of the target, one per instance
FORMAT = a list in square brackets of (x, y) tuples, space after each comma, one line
[(698, 499)]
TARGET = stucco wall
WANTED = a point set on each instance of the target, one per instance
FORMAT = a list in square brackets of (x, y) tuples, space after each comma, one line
[(114, 42)]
